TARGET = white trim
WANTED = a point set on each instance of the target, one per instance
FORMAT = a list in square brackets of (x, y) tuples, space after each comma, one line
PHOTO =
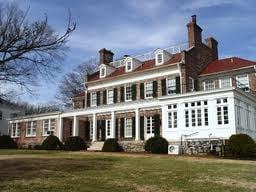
[(108, 96), (145, 91), (91, 104), (125, 131), (193, 83), (127, 100), (105, 71), (220, 81), (31, 128)]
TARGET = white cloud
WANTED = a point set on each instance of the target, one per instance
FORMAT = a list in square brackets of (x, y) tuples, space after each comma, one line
[(199, 4)]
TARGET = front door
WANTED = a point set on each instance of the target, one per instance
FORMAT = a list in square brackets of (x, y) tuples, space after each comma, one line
[(149, 127), (108, 128)]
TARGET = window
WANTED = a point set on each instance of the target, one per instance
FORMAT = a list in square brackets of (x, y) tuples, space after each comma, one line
[(1, 115), (108, 126), (150, 123), (172, 119), (191, 84), (243, 82), (128, 93), (128, 128), (128, 66), (93, 99), (209, 84), (225, 82), (15, 132), (222, 111), (91, 130), (102, 71), (171, 86), (149, 90), (159, 58), (31, 128), (196, 114), (49, 126), (110, 96)]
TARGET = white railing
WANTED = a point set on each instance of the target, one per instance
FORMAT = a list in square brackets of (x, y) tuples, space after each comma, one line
[(150, 55)]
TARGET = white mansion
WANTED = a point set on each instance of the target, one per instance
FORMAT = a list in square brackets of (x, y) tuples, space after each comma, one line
[(183, 92)]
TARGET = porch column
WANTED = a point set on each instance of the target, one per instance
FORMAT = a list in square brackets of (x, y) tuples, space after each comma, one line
[(75, 126), (137, 125), (113, 124), (60, 128), (94, 127)]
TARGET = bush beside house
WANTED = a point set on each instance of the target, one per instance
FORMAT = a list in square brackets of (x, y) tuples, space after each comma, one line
[(51, 143), (6, 142), (75, 143), (111, 145), (157, 145)]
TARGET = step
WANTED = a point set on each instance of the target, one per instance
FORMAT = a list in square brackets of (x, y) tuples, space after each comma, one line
[(96, 146)]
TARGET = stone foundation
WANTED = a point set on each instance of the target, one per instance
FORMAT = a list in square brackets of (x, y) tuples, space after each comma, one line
[(132, 146)]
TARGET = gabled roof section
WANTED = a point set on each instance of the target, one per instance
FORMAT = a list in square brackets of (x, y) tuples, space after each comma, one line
[(149, 64), (225, 65), (82, 94)]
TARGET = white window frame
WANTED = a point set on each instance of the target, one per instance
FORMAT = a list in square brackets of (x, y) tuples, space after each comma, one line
[(247, 85), (50, 126), (157, 58), (208, 80), (148, 94), (128, 63), (110, 97), (104, 70), (170, 88), (130, 94), (221, 105), (191, 82), (128, 128), (225, 78), (149, 123), (31, 128), (93, 100), (15, 134), (91, 130)]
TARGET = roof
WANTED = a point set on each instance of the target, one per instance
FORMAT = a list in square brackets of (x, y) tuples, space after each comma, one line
[(149, 64), (227, 64)]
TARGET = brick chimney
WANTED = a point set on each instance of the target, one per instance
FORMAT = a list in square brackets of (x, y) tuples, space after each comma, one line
[(194, 33), (106, 56), (213, 44)]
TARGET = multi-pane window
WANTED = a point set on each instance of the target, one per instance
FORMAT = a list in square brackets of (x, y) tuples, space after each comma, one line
[(31, 128), (225, 82), (93, 99), (159, 58), (209, 84), (172, 116), (222, 111), (171, 86), (196, 114), (128, 127), (108, 126), (149, 90), (150, 123), (243, 82), (110, 96), (191, 84), (15, 132), (128, 66), (91, 130), (49, 126), (128, 93), (103, 72)]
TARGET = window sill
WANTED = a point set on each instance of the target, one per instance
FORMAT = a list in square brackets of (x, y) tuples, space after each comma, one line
[(15, 137), (30, 136), (128, 137)]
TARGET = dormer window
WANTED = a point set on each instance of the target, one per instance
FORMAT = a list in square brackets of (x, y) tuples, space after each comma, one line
[(102, 72), (159, 58), (129, 66)]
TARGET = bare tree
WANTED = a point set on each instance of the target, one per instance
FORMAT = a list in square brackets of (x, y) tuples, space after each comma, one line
[(29, 49), (73, 82)]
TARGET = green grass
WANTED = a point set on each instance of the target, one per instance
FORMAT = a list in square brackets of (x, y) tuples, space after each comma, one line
[(27, 170)]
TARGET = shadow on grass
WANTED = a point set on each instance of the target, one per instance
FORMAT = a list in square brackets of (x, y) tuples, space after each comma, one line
[(26, 168)]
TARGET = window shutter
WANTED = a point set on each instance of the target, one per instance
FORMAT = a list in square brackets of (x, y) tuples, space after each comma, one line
[(104, 97), (142, 127), (154, 89), (88, 99), (122, 94), (142, 94), (83, 103), (157, 124), (103, 130), (87, 130), (196, 85), (116, 128), (133, 127), (98, 128), (98, 98), (134, 92), (163, 85), (122, 128), (115, 95), (177, 84)]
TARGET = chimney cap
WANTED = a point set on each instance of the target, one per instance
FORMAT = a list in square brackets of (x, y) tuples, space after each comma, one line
[(106, 51), (193, 18)]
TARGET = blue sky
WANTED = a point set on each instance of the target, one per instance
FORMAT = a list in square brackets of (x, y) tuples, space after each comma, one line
[(137, 26)]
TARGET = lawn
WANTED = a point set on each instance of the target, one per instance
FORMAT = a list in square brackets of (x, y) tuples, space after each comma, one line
[(22, 170)]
